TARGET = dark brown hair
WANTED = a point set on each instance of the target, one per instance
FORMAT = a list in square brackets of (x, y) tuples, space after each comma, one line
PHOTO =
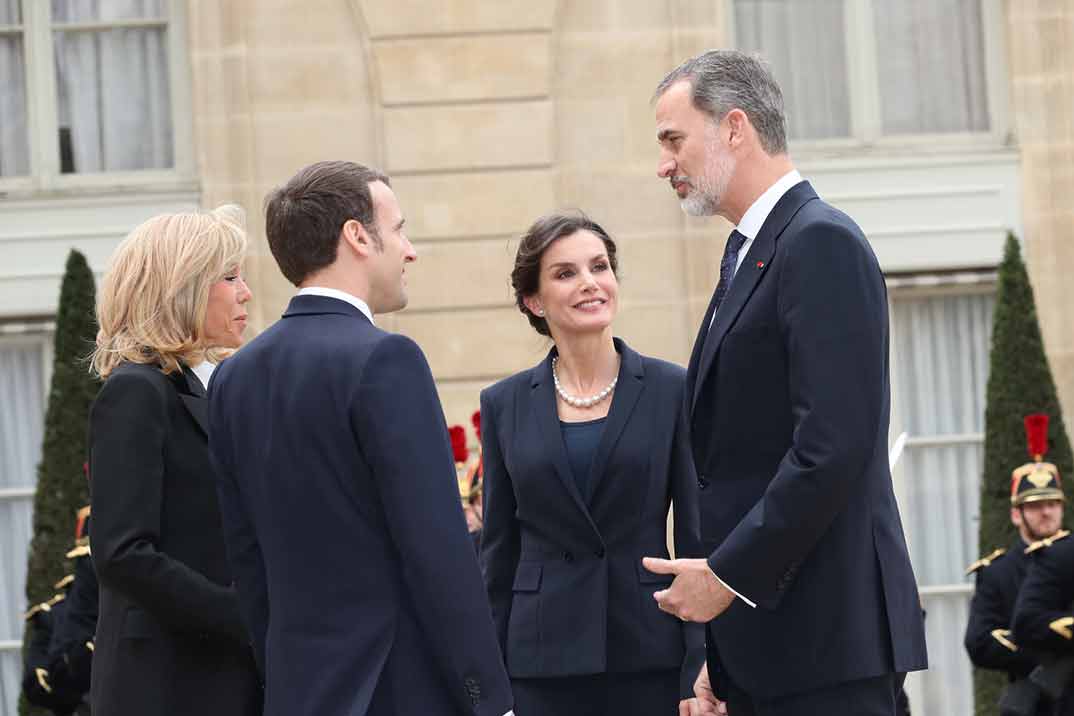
[(526, 275), (303, 217)]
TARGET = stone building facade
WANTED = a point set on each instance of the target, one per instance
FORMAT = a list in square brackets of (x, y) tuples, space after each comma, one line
[(488, 114)]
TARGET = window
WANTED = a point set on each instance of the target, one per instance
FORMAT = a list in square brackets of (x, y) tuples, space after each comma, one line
[(93, 87), (14, 141), (23, 373), (940, 354), (865, 70)]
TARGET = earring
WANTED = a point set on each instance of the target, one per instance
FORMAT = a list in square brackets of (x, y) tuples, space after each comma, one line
[(540, 311)]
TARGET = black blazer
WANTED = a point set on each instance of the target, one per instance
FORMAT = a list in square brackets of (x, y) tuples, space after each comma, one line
[(354, 567), (563, 571), (169, 636), (789, 403)]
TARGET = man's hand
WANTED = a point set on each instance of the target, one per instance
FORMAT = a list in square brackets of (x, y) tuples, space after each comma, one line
[(695, 595), (705, 702)]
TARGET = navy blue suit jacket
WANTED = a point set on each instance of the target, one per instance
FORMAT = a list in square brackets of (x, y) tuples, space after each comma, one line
[(343, 523), (789, 405), (563, 570)]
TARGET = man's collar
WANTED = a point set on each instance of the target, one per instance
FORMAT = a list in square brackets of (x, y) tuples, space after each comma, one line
[(755, 216), (339, 295)]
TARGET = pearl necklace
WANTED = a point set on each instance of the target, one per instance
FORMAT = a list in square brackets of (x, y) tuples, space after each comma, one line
[(581, 402)]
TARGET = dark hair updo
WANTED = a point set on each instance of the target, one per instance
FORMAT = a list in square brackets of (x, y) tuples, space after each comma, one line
[(526, 275)]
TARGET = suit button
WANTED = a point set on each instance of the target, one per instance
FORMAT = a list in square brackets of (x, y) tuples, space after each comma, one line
[(702, 483), (600, 553), (568, 557)]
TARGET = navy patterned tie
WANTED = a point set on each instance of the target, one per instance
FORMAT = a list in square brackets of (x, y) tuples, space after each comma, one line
[(727, 267)]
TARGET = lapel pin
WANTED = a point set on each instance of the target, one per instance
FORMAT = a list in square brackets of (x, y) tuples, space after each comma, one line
[(760, 264)]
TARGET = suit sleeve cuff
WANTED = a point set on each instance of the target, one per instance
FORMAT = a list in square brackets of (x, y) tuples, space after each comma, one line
[(747, 600)]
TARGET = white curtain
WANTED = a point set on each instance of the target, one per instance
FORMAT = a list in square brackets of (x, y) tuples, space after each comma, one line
[(940, 370), (804, 42), (930, 59), (22, 416), (14, 145), (112, 85)]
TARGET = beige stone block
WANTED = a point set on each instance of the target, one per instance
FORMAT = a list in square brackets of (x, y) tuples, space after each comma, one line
[(468, 205), (510, 134), (455, 69), (324, 77), (224, 150), (216, 26), (621, 198), (652, 268), (220, 87), (626, 65), (614, 16), (311, 23), (386, 18), (287, 141), (593, 130), (459, 274), (476, 344), (658, 330)]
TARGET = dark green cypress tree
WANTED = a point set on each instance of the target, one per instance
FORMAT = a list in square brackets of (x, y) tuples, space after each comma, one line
[(62, 487), (1019, 383)]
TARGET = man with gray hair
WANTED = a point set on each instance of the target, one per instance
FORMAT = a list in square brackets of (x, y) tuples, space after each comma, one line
[(807, 592)]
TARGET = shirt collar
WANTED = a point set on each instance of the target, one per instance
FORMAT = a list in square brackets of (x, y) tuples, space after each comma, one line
[(755, 216), (203, 371), (339, 295)]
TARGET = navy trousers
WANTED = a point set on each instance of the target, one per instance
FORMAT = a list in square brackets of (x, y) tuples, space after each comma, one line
[(865, 697), (647, 693)]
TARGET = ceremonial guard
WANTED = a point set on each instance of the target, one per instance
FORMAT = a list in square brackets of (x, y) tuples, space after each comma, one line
[(469, 479), (1043, 620), (60, 653), (1037, 513)]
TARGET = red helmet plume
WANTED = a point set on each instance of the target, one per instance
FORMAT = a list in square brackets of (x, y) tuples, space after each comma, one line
[(1037, 435), (476, 420), (458, 443)]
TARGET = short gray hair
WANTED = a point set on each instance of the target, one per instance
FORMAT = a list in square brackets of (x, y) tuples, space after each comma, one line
[(722, 80)]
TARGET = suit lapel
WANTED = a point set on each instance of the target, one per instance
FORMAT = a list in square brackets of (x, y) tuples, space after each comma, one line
[(627, 391), (192, 394), (543, 400), (747, 277), (699, 345)]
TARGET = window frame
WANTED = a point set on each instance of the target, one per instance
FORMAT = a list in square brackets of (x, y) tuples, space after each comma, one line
[(917, 285), (863, 87), (43, 121), (42, 334)]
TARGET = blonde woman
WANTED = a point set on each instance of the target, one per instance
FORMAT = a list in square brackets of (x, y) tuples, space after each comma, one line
[(169, 636)]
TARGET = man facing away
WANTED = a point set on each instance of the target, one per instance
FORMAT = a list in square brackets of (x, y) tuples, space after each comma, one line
[(355, 572), (808, 591)]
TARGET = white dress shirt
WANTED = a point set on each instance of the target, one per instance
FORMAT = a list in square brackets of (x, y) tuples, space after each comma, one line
[(340, 295), (755, 216), (204, 371), (749, 226)]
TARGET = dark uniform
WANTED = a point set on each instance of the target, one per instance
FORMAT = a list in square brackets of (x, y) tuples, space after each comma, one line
[(1000, 576), (1043, 618), (60, 653), (988, 636)]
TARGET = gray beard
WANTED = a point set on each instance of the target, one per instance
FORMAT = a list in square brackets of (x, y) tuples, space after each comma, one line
[(698, 203)]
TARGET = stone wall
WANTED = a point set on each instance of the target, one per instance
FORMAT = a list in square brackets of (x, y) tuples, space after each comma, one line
[(486, 115), (1041, 65)]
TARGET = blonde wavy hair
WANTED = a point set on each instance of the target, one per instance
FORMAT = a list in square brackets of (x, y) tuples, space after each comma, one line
[(152, 302)]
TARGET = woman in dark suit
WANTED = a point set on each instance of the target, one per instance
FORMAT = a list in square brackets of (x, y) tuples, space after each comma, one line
[(583, 455), (169, 636)]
